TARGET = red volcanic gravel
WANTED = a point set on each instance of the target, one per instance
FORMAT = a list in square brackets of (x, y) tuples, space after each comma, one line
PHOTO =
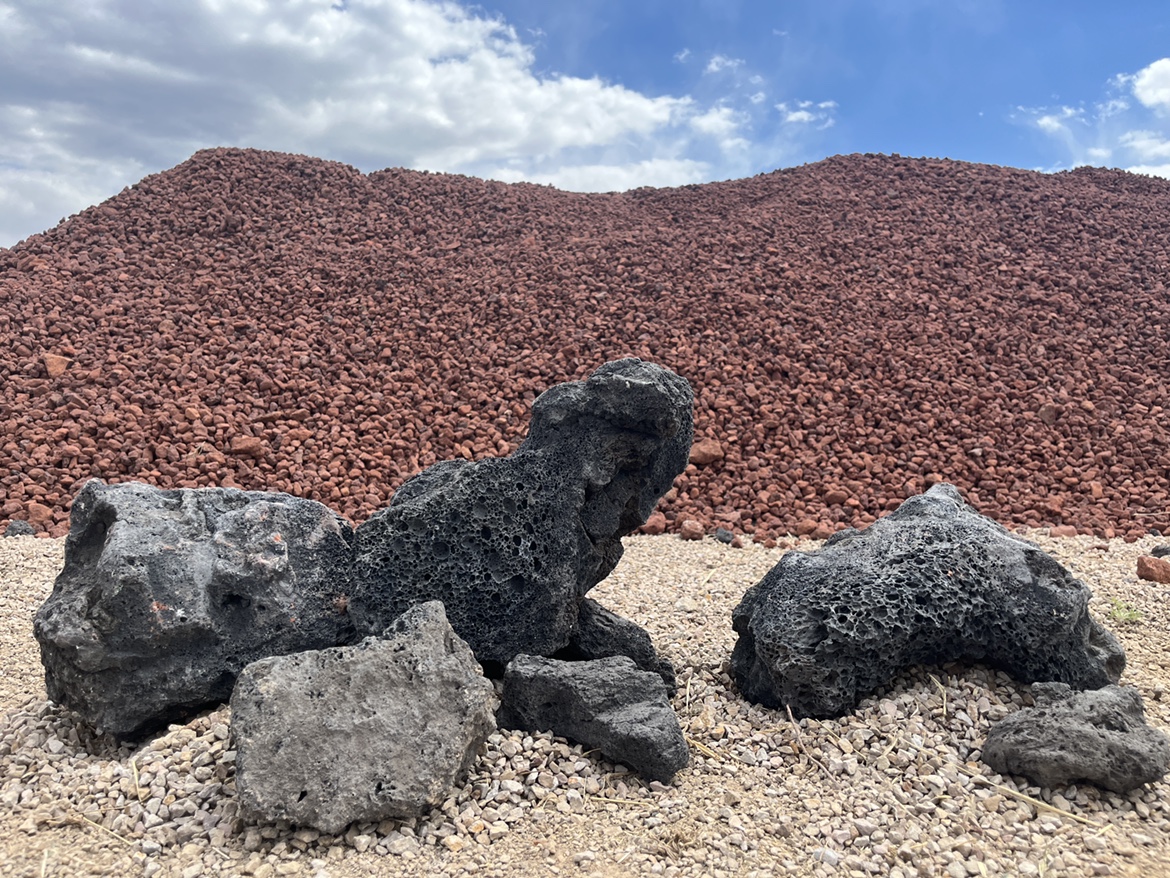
[(855, 331)]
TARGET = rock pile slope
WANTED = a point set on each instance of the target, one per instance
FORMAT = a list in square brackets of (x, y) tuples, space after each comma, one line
[(855, 331)]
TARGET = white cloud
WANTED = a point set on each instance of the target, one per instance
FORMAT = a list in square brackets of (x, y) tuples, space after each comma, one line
[(1116, 129), (1151, 85), (818, 114), (682, 56), (1151, 170), (724, 125), (1147, 145), (98, 94), (611, 178), (719, 63)]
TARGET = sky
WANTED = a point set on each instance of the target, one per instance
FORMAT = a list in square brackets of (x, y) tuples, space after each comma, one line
[(585, 95)]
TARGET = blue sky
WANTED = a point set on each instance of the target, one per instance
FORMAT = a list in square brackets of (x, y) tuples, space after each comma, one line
[(592, 95)]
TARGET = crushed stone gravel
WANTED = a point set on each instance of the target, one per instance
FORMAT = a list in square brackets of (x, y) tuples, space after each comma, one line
[(894, 789)]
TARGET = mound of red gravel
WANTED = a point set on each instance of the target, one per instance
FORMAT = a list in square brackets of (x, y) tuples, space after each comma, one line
[(855, 330)]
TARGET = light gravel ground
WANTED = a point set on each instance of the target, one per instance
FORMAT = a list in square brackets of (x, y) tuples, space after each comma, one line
[(894, 789)]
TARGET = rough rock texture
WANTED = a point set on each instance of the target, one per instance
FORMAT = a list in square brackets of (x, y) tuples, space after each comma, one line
[(1099, 736), (386, 728), (606, 703), (601, 633), (932, 582), (165, 596), (867, 324), (18, 528), (511, 545), (1153, 569)]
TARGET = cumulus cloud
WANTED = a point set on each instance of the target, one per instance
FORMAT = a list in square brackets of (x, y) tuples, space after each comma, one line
[(1128, 128), (1151, 85), (98, 94)]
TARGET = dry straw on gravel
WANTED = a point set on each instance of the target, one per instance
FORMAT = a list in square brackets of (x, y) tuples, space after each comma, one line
[(895, 788)]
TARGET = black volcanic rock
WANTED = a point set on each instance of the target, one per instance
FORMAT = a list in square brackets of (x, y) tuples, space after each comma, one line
[(166, 595), (608, 704), (1100, 736), (511, 545), (932, 582), (601, 633)]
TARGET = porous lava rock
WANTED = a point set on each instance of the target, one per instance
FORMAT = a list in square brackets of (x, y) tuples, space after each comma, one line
[(511, 545), (166, 595), (601, 633), (1099, 736), (608, 704), (932, 582), (385, 728), (18, 528)]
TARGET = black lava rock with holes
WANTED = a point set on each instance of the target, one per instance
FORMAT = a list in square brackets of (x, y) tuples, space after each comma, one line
[(932, 582), (511, 545), (602, 633), (166, 595)]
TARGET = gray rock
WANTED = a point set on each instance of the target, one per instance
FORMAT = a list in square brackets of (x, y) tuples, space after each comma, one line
[(18, 528), (932, 582), (1157, 551), (511, 545), (608, 704), (602, 633), (167, 594), (386, 728), (1099, 736)]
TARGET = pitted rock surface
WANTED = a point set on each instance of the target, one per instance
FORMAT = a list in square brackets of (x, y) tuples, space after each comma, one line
[(166, 595), (1100, 736), (602, 633), (385, 728), (608, 704), (511, 545), (932, 582)]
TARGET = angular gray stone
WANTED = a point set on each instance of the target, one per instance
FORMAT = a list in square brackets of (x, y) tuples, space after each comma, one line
[(608, 704), (385, 728), (18, 528), (166, 595), (932, 582), (1099, 736), (602, 633), (511, 545)]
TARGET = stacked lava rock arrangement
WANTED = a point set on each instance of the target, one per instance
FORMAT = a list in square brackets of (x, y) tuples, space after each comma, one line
[(372, 641), (357, 661)]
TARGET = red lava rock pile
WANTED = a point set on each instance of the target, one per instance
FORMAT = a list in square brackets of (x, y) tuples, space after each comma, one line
[(856, 330)]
